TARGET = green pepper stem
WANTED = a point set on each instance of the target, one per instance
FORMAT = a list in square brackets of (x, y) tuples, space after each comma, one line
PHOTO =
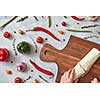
[(7, 22), (73, 30)]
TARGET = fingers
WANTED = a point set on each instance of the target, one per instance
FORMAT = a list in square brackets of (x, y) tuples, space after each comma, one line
[(72, 74), (76, 81), (68, 76), (62, 79), (67, 73), (95, 80)]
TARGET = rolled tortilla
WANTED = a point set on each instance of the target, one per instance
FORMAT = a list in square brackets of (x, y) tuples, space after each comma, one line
[(79, 72), (83, 67), (90, 59)]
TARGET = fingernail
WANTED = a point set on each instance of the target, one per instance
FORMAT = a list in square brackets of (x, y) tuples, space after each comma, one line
[(95, 79)]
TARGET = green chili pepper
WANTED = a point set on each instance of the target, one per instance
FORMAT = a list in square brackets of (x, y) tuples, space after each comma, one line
[(6, 23), (23, 47), (73, 30), (49, 21)]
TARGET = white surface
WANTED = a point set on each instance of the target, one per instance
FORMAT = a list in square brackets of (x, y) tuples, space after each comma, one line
[(29, 24)]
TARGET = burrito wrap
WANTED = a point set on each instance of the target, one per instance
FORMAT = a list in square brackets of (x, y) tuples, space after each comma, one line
[(83, 67)]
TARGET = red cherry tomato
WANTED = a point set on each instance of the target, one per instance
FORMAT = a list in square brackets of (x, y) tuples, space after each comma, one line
[(18, 80), (64, 23), (39, 40), (6, 34), (3, 54)]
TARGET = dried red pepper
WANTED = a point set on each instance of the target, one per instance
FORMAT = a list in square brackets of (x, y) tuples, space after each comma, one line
[(44, 30), (40, 69), (77, 18)]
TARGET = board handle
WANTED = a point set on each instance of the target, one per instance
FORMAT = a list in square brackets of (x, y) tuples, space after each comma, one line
[(48, 53)]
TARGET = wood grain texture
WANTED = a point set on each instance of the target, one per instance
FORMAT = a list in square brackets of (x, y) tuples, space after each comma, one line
[(67, 58)]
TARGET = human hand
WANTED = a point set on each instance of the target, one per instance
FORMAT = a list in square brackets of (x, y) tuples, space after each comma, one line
[(95, 80), (68, 77)]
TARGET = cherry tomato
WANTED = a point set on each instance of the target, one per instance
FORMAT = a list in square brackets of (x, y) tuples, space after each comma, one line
[(6, 34), (63, 23), (18, 80), (39, 40), (3, 54)]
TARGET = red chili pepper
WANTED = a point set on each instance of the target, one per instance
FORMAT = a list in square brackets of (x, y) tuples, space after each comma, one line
[(40, 69), (77, 18), (46, 31)]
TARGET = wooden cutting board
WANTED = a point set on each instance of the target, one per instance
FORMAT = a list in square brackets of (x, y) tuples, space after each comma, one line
[(67, 58)]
